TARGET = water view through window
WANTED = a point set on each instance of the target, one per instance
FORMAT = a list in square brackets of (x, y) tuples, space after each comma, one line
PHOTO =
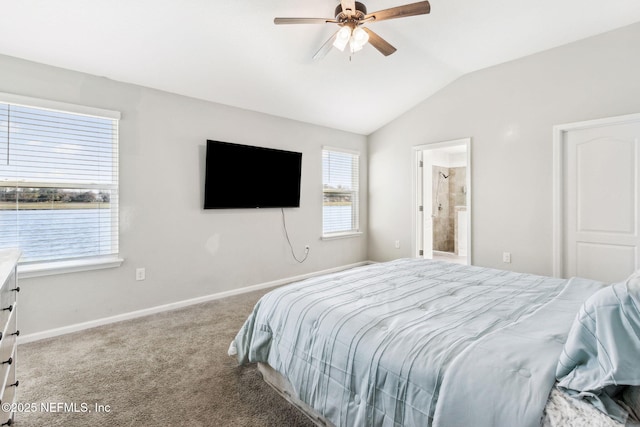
[(58, 181), (65, 223)]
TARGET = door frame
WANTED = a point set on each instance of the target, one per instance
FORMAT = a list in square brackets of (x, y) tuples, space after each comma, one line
[(559, 182), (416, 189)]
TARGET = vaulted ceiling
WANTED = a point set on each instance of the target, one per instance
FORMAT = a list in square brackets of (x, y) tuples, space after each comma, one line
[(232, 53)]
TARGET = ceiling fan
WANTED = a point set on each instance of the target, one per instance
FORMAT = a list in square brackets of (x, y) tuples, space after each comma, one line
[(350, 16)]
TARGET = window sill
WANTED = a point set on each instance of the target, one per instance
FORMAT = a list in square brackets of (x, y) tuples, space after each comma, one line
[(63, 267), (341, 235)]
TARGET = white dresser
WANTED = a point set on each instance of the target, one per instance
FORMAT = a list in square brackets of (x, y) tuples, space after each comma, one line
[(9, 329)]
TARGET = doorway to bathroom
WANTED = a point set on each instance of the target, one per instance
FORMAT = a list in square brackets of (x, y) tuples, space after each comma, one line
[(442, 201)]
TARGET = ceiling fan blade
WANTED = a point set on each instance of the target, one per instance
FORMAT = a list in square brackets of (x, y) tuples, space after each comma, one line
[(348, 7), (379, 43), (279, 21), (325, 48), (420, 8)]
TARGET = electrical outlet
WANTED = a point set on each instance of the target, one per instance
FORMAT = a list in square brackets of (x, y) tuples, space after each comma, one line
[(141, 274), (306, 248), (397, 244), (506, 257)]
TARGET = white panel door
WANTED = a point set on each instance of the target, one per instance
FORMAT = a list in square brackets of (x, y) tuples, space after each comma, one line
[(601, 199)]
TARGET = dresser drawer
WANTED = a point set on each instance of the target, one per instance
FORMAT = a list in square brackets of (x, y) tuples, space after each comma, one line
[(8, 341), (8, 396), (8, 298)]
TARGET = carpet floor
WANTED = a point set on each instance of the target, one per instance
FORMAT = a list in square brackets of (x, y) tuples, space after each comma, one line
[(167, 369)]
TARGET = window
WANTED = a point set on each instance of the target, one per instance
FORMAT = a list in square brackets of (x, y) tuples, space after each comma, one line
[(58, 181), (340, 180)]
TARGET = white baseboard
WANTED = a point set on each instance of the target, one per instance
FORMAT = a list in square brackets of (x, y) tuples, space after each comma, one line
[(23, 339)]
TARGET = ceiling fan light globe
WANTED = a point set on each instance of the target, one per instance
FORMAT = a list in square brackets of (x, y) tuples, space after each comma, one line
[(358, 39), (342, 38), (340, 44), (360, 36)]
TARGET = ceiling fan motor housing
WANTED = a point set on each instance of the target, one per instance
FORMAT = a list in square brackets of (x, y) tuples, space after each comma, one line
[(359, 13)]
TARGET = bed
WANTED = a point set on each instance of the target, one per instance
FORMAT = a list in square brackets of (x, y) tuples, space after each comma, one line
[(416, 342)]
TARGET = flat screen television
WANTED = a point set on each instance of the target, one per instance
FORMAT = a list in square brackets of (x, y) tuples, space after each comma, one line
[(244, 176)]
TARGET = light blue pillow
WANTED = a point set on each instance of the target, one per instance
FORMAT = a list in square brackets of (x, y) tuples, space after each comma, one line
[(602, 352)]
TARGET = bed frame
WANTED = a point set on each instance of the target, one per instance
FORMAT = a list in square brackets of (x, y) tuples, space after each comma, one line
[(284, 389), (560, 412)]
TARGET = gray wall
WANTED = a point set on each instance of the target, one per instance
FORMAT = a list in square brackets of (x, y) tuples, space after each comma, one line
[(508, 111), (187, 252)]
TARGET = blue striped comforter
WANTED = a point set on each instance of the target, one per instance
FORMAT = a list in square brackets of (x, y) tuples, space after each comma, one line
[(417, 343)]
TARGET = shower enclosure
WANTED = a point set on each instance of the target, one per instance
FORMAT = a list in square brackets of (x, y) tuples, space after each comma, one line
[(449, 199)]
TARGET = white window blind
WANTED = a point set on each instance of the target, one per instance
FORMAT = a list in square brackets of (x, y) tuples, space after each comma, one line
[(340, 179), (58, 183)]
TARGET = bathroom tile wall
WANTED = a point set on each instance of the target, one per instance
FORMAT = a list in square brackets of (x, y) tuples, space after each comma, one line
[(451, 193)]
